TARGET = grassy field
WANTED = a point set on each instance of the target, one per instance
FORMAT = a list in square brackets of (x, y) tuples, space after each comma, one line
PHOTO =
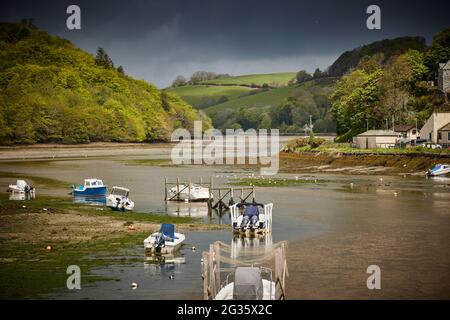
[(272, 79), (195, 94), (273, 97)]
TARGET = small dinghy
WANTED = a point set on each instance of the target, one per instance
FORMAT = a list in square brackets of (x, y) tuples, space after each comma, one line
[(439, 170), (21, 186), (91, 187), (166, 240), (251, 217), (118, 199), (189, 193)]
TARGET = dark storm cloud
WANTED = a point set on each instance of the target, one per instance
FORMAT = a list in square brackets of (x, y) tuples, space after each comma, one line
[(156, 40)]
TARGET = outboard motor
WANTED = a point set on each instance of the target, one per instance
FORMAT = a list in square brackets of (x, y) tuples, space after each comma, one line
[(160, 240), (251, 215), (27, 188), (245, 221)]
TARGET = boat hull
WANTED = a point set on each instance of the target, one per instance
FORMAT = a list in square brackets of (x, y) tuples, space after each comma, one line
[(94, 191)]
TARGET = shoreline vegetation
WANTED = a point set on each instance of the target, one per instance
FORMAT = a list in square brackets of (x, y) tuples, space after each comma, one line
[(317, 155)]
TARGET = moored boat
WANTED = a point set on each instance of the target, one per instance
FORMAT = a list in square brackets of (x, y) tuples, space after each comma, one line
[(118, 199), (251, 217), (189, 192), (439, 170), (21, 186), (166, 240), (91, 187), (258, 276)]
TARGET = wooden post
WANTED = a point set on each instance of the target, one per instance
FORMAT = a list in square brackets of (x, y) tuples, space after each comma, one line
[(201, 181), (189, 191), (253, 193), (165, 189), (178, 189)]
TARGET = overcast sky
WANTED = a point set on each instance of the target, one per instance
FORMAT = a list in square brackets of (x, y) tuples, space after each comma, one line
[(159, 39)]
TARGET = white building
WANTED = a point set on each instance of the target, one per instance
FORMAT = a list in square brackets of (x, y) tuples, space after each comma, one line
[(436, 121), (407, 131), (376, 139)]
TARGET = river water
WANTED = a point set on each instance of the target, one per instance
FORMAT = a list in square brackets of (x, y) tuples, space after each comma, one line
[(335, 229)]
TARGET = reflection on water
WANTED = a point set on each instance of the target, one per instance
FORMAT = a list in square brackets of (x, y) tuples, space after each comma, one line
[(21, 196), (197, 210), (251, 244), (90, 200)]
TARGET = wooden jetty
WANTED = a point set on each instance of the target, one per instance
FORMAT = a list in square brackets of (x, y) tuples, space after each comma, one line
[(220, 198)]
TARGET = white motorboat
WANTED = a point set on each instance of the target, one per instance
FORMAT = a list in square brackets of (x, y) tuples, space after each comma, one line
[(166, 240), (248, 284), (21, 186), (439, 170), (188, 192), (251, 217), (118, 199), (259, 275)]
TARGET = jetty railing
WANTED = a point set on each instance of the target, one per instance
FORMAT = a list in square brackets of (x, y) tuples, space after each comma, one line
[(220, 198)]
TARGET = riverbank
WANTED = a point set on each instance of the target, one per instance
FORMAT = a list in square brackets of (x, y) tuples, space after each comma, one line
[(74, 233), (71, 151), (359, 162)]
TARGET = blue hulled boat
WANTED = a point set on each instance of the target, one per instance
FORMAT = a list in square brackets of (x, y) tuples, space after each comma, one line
[(91, 187)]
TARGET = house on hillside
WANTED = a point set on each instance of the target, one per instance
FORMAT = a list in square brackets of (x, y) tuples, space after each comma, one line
[(376, 139), (444, 77), (407, 131), (443, 135), (437, 121)]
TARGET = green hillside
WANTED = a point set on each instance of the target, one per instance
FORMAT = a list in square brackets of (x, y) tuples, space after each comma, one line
[(203, 96), (51, 91), (387, 47), (271, 79)]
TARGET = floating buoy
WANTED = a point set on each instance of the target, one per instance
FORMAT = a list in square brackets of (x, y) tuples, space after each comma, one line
[(44, 209), (24, 207), (134, 286), (296, 178), (49, 248), (381, 179), (395, 194), (193, 248)]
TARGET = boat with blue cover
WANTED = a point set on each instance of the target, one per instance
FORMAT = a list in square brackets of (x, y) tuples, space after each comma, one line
[(91, 187), (439, 170), (166, 240)]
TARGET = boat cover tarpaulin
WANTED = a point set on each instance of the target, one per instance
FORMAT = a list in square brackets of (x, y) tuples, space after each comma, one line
[(251, 211), (168, 230), (248, 284)]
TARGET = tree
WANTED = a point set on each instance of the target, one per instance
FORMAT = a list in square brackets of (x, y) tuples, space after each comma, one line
[(438, 52), (120, 70), (317, 74), (102, 59), (179, 81), (303, 76)]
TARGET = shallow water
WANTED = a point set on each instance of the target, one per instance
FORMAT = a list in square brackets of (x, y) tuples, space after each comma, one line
[(335, 229)]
